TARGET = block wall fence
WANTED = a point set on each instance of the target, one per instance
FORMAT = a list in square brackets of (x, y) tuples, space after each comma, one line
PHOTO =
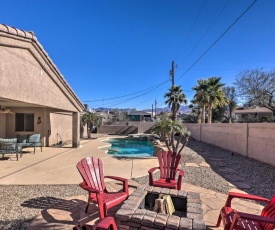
[(253, 140)]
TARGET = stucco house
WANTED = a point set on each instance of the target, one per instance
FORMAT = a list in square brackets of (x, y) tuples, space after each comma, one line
[(139, 116), (254, 113), (107, 117), (34, 96)]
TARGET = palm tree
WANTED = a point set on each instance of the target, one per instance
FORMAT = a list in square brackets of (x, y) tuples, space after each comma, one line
[(196, 109), (166, 128), (215, 95), (175, 97), (91, 119), (201, 97), (230, 93)]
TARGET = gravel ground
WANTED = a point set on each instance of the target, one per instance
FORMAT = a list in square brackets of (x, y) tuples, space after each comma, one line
[(259, 176), (20, 204)]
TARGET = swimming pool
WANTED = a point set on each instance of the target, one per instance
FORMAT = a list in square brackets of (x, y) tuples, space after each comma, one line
[(130, 148)]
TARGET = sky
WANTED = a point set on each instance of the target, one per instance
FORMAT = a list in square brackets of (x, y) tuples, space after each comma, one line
[(118, 53)]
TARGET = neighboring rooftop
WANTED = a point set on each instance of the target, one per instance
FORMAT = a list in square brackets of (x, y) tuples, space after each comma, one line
[(254, 109)]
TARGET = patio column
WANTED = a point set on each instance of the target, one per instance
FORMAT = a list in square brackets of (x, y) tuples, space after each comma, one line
[(76, 129)]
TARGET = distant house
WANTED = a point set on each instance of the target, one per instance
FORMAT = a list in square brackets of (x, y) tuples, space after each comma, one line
[(34, 96), (107, 117), (139, 116), (254, 114)]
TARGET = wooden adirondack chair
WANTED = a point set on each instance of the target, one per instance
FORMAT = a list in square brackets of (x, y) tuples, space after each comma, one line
[(91, 170), (108, 223), (233, 219), (168, 166)]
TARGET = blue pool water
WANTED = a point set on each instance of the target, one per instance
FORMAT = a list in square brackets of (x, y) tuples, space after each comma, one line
[(130, 148)]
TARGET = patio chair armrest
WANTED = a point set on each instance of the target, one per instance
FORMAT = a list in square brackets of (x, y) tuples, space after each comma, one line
[(232, 195), (181, 174), (116, 178), (152, 170), (106, 223), (125, 182), (88, 188), (151, 178)]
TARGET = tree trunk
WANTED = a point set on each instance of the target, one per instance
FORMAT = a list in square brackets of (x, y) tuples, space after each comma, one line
[(167, 144), (174, 113), (173, 142), (203, 114), (199, 116), (183, 144), (88, 130), (209, 113)]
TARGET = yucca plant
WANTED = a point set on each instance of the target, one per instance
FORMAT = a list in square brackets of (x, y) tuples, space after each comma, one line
[(167, 128)]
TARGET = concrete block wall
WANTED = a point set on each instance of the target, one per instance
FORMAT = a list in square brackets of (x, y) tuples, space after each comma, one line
[(261, 142), (143, 127), (254, 140), (140, 127), (117, 129)]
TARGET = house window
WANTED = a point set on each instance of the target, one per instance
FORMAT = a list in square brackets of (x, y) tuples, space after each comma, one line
[(24, 122)]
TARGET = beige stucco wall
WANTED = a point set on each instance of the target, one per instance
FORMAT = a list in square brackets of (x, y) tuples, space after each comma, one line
[(3, 125), (228, 136), (261, 139), (194, 129), (59, 127), (23, 78), (254, 140)]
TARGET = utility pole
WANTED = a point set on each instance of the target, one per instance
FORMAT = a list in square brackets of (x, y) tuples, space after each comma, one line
[(155, 108), (172, 73), (152, 110)]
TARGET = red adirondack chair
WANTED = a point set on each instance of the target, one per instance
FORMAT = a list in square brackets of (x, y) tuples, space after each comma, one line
[(233, 219), (168, 166), (108, 223), (91, 170)]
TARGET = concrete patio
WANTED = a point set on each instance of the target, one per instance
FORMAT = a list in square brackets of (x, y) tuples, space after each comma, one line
[(57, 166)]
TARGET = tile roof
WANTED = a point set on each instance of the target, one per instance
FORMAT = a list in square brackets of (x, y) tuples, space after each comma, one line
[(18, 32)]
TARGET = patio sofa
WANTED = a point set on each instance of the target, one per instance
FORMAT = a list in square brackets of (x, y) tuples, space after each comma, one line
[(29, 140), (8, 146)]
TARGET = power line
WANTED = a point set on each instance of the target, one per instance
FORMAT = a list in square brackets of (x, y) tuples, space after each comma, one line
[(216, 41), (118, 103), (155, 86), (189, 32), (154, 97), (194, 47)]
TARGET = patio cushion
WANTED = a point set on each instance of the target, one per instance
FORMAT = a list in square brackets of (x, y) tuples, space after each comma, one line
[(8, 144), (29, 140), (22, 138), (34, 138)]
